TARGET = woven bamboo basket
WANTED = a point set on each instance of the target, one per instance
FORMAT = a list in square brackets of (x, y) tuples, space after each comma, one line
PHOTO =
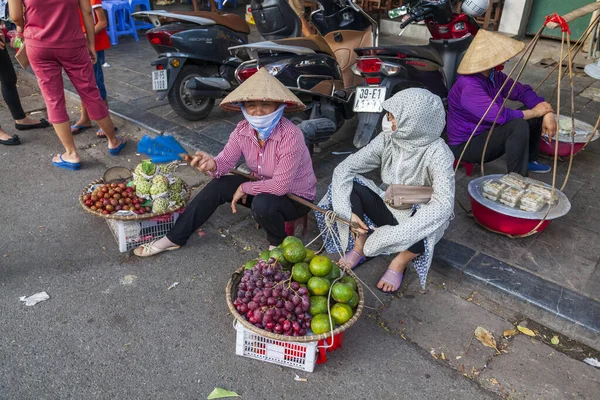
[(231, 290), (140, 217)]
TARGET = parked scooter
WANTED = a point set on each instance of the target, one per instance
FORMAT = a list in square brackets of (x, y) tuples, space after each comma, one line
[(389, 69), (316, 68), (194, 67)]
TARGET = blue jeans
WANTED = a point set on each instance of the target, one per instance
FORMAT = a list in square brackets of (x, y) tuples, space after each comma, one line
[(99, 74)]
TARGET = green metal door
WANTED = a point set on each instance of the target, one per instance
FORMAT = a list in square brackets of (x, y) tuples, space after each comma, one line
[(542, 8)]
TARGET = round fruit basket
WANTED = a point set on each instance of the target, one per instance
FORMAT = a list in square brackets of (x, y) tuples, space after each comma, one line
[(512, 221), (582, 132), (136, 217), (231, 289)]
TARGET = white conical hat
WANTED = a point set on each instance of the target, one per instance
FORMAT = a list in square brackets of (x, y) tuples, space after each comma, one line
[(488, 50), (261, 86)]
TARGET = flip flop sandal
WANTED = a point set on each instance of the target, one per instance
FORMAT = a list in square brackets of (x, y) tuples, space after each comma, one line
[(149, 249), (393, 278), (24, 127), (100, 133), (77, 129), (352, 259), (13, 141), (114, 152), (66, 164)]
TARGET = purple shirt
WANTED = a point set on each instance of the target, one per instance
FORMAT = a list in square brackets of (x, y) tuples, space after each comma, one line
[(471, 95)]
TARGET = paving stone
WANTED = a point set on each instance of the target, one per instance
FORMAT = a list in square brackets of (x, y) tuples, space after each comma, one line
[(533, 370), (592, 287)]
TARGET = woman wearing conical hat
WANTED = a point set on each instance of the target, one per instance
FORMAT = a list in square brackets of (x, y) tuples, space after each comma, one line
[(274, 150), (517, 133)]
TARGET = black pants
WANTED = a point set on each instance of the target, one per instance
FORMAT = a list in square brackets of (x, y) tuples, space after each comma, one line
[(269, 210), (8, 81), (518, 139), (366, 202)]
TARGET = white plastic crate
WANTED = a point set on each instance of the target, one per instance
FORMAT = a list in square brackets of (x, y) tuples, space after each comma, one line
[(289, 354), (131, 234)]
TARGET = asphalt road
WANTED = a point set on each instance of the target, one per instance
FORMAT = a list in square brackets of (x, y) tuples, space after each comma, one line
[(100, 337)]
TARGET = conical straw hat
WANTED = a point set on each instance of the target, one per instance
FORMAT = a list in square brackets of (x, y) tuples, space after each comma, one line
[(488, 50), (261, 87)]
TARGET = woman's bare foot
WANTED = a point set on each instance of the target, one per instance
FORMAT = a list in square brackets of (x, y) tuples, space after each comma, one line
[(71, 157), (27, 121), (4, 135), (398, 265)]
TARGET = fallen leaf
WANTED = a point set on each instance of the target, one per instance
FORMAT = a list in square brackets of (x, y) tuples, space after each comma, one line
[(486, 338), (458, 357), (509, 333), (220, 393), (461, 368), (555, 340), (526, 331), (443, 357), (494, 381), (297, 378), (432, 352)]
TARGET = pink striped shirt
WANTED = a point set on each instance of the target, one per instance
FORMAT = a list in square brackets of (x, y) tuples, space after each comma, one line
[(283, 164)]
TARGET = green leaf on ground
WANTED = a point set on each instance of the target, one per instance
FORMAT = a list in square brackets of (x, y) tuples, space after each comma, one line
[(554, 340), (220, 393)]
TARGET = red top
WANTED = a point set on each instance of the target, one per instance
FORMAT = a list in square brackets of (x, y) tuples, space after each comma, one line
[(101, 38), (283, 163), (52, 24)]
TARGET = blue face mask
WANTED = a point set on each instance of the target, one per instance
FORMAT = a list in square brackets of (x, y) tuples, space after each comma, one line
[(264, 124)]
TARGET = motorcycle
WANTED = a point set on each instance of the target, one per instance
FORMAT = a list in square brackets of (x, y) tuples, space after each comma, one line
[(316, 68), (390, 69), (194, 67)]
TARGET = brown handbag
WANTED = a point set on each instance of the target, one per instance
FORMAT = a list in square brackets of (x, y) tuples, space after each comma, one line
[(403, 197)]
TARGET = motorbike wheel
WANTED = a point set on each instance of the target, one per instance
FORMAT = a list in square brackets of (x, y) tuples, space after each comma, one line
[(181, 100)]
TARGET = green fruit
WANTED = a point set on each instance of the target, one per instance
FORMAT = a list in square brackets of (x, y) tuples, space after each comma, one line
[(294, 252), (160, 205), (290, 240), (277, 254), (250, 264), (335, 273), (318, 305), (309, 255), (318, 286), (143, 186), (341, 292), (341, 313), (265, 255), (320, 266), (320, 324), (354, 300), (348, 280), (162, 180), (301, 273)]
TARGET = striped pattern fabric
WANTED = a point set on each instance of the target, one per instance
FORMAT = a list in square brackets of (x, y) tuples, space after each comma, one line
[(283, 164)]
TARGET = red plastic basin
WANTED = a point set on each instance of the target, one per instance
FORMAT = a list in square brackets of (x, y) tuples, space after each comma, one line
[(564, 148), (504, 223)]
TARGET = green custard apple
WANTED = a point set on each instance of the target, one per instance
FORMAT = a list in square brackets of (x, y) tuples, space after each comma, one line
[(159, 205), (143, 186)]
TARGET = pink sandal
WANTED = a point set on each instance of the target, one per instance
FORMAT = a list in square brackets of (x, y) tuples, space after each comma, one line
[(352, 259), (393, 278)]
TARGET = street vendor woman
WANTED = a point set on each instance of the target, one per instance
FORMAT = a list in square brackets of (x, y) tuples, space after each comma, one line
[(409, 151), (517, 133), (275, 152)]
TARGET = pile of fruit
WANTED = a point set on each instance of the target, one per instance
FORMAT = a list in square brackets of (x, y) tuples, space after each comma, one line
[(112, 197), (158, 185), (289, 291)]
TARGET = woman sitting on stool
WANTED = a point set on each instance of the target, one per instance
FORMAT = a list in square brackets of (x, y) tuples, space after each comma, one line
[(275, 152), (517, 133)]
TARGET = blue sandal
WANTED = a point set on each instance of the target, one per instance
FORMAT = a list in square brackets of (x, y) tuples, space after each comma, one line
[(114, 152), (66, 164)]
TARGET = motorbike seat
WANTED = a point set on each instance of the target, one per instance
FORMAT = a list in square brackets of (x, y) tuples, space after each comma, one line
[(427, 52), (231, 21), (313, 42)]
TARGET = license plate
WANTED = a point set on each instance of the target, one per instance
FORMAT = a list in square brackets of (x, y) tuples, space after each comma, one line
[(159, 80), (369, 99)]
